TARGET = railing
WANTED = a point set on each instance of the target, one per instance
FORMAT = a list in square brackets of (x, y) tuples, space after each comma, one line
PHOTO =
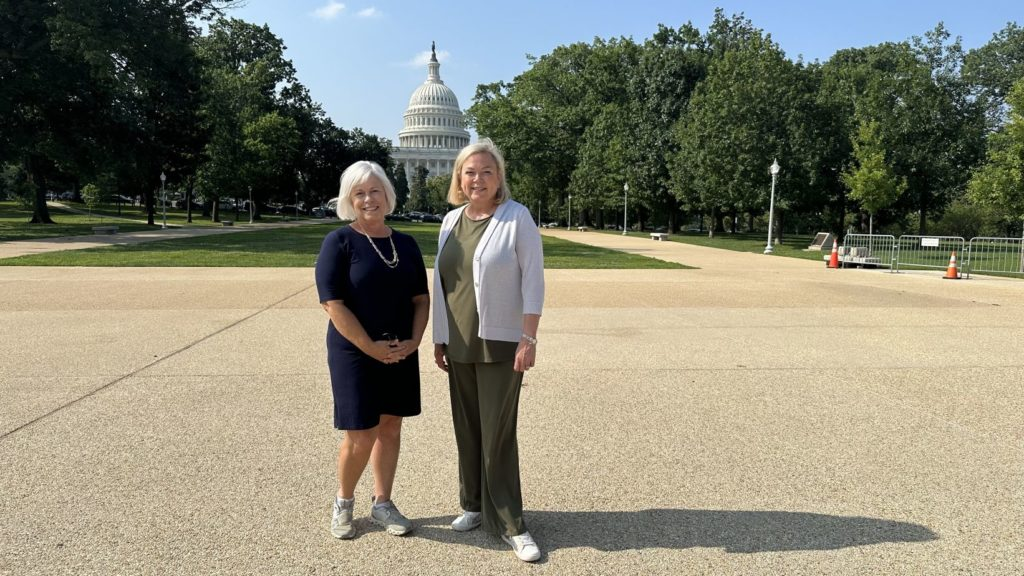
[(983, 254), (916, 252), (868, 250), (995, 256)]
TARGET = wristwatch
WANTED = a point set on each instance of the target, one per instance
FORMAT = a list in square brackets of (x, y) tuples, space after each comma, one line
[(532, 341)]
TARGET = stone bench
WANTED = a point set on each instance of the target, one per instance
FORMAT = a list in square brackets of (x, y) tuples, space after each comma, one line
[(104, 229), (659, 236), (582, 228), (227, 222)]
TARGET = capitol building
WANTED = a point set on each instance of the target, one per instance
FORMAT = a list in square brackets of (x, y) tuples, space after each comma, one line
[(434, 129)]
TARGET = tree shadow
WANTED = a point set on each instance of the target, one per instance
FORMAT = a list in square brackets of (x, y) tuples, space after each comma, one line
[(734, 531)]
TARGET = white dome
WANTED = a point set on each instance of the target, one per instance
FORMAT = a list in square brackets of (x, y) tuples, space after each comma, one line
[(434, 94), (434, 128), (433, 118)]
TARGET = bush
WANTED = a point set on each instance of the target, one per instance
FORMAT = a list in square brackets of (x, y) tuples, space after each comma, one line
[(14, 184), (967, 220)]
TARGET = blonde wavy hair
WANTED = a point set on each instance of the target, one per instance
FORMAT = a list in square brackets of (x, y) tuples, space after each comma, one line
[(455, 195)]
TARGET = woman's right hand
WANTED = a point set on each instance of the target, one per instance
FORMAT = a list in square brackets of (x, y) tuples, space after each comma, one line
[(439, 357)]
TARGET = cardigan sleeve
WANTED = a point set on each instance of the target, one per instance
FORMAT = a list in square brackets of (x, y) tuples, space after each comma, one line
[(530, 252)]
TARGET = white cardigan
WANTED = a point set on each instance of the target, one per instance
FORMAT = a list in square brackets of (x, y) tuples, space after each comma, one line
[(508, 274)]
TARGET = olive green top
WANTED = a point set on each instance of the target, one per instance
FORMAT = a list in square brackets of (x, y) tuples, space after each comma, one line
[(455, 265)]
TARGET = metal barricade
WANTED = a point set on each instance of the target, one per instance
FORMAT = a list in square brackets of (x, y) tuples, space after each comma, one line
[(868, 250), (995, 255), (926, 252)]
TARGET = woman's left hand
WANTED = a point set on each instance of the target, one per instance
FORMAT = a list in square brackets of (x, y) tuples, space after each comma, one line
[(404, 348), (526, 356)]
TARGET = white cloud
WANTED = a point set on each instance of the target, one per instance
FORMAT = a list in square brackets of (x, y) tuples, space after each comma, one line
[(329, 11), (423, 58), (369, 13)]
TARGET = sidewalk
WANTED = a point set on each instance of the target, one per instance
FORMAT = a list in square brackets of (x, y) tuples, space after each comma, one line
[(758, 415)]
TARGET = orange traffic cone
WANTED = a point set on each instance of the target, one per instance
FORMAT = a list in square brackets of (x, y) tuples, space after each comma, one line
[(951, 271), (833, 261)]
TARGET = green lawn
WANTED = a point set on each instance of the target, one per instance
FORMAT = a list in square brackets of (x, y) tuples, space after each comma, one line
[(792, 246), (298, 247), (14, 220)]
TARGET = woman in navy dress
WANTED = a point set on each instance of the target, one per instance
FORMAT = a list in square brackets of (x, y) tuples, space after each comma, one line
[(372, 282)]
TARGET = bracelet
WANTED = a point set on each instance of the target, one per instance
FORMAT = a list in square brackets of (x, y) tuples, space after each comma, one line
[(529, 339)]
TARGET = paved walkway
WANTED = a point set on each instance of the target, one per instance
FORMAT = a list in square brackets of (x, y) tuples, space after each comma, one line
[(758, 415)]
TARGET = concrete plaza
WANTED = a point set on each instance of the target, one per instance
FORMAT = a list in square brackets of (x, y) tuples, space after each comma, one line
[(757, 415)]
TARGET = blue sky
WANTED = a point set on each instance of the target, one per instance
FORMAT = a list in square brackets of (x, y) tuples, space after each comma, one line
[(362, 59)]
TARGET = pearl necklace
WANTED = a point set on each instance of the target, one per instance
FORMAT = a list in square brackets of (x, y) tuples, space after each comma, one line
[(393, 263)]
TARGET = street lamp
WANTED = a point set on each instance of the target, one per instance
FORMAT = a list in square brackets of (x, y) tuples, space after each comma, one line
[(570, 213), (250, 205), (625, 207), (771, 206), (163, 196)]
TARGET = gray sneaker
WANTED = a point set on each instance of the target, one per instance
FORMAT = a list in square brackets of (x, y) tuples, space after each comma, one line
[(341, 519), (390, 518)]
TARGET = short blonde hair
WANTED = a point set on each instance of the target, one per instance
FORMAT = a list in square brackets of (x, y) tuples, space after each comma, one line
[(357, 174), (455, 194)]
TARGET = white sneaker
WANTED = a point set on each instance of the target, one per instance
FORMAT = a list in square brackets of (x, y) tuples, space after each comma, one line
[(524, 546), (467, 521)]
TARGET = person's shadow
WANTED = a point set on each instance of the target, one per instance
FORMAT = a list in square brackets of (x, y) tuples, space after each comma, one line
[(742, 532)]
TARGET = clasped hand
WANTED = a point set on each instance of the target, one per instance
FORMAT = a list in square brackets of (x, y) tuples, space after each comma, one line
[(391, 352)]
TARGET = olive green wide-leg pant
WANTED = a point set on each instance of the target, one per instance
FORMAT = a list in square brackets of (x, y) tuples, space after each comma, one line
[(485, 408)]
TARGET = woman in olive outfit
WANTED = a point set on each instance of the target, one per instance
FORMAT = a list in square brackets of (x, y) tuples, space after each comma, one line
[(488, 296), (373, 285)]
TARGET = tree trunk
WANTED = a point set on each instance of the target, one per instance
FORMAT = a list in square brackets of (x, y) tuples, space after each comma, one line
[(188, 200), (40, 212)]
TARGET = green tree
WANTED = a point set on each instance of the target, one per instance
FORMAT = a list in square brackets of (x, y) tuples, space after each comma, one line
[(736, 123), (401, 185), (993, 68), (92, 196), (871, 180), (419, 195), (999, 182), (670, 66), (88, 89), (437, 194)]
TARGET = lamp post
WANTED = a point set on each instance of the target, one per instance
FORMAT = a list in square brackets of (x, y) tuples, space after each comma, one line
[(625, 208), (250, 205), (163, 196), (771, 206), (570, 213)]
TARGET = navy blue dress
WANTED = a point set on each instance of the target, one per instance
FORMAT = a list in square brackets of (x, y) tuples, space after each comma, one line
[(348, 269)]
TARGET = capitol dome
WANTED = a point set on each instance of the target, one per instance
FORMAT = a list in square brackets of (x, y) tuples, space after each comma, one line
[(434, 128)]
